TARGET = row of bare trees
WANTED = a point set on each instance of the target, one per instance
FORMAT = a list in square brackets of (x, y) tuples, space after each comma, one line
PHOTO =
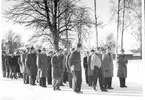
[(129, 17)]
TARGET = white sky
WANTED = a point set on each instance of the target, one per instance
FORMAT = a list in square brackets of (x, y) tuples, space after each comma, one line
[(103, 10)]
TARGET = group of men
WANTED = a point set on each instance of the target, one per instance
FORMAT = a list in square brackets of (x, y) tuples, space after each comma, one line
[(58, 67)]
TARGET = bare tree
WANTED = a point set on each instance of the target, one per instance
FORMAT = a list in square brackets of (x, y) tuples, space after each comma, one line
[(11, 41), (46, 16)]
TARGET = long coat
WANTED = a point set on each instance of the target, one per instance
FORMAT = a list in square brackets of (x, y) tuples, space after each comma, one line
[(23, 59), (108, 65), (42, 64), (56, 66), (122, 68), (31, 64), (90, 72)]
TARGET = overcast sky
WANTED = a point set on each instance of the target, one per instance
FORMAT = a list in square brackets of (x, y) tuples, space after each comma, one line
[(103, 10)]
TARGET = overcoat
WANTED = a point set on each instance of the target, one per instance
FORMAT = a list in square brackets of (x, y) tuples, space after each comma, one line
[(42, 64), (122, 66), (75, 61), (25, 68), (31, 64), (90, 72), (108, 65), (56, 66)]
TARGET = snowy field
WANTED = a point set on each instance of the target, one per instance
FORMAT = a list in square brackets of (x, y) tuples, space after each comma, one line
[(16, 90)]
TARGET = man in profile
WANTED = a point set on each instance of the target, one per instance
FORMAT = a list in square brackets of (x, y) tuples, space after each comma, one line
[(75, 63)]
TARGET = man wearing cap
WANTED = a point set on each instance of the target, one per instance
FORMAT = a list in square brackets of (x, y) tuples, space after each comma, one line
[(75, 63), (56, 70), (31, 64), (122, 69)]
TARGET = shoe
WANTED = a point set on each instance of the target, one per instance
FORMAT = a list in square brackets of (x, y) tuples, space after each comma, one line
[(95, 89), (61, 85), (110, 88), (125, 86), (104, 90), (80, 92)]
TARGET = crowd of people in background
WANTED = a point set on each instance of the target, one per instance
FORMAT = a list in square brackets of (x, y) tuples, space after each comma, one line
[(57, 68)]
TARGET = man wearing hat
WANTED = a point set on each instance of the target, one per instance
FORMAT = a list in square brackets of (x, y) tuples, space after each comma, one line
[(122, 69), (56, 70), (108, 68), (42, 64), (31, 65), (75, 63)]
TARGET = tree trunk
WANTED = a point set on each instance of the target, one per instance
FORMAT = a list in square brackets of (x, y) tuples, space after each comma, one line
[(96, 24), (123, 25)]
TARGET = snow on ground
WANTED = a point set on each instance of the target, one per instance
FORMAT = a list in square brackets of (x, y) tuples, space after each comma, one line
[(16, 90)]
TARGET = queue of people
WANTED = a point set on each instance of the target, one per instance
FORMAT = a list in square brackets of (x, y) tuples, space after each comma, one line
[(57, 68)]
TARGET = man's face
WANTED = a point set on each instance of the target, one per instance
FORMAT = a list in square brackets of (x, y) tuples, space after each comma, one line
[(33, 51)]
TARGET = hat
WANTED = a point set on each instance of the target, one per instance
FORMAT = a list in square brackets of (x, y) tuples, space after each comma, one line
[(79, 45), (92, 50)]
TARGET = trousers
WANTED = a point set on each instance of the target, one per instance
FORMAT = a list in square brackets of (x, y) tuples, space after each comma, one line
[(98, 74), (108, 82), (122, 81), (56, 83), (76, 80), (32, 79), (70, 79), (26, 78)]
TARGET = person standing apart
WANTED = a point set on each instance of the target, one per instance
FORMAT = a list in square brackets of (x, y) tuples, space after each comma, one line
[(31, 64), (56, 70), (122, 69), (108, 68), (85, 64), (75, 63), (42, 64)]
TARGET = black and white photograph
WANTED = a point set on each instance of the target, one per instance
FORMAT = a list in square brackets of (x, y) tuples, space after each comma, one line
[(72, 49)]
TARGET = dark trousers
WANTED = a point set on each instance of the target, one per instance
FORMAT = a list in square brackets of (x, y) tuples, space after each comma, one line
[(70, 79), (4, 73), (77, 80), (25, 78), (56, 83), (122, 81), (98, 73), (90, 80), (86, 75), (42, 81), (49, 76), (108, 82), (32, 79)]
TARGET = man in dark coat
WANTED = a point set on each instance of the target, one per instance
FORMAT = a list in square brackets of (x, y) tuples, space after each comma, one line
[(4, 63), (122, 69), (85, 63), (49, 69), (32, 67), (13, 65), (75, 63), (108, 68), (68, 67), (42, 64), (56, 70)]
